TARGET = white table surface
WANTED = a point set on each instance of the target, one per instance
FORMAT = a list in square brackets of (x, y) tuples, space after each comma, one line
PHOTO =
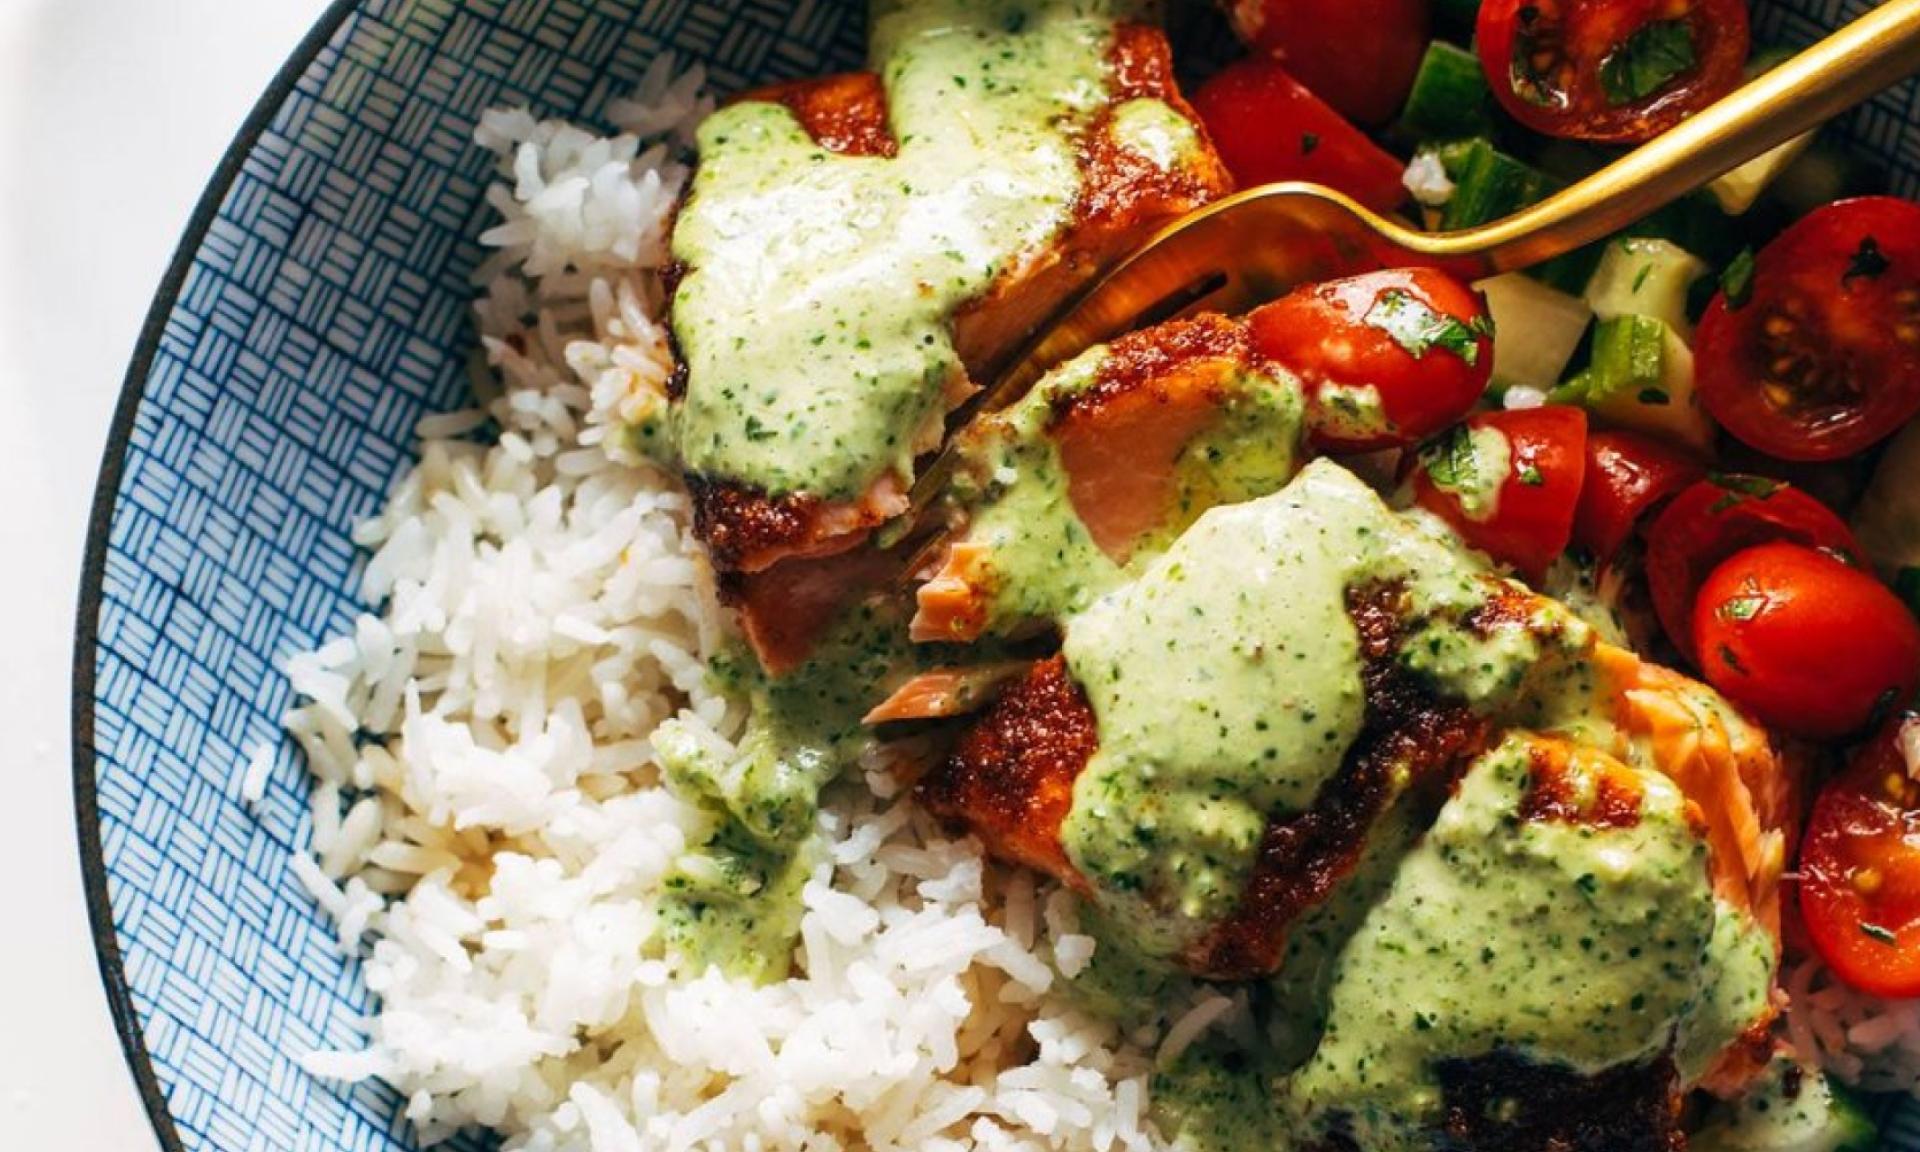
[(113, 114)]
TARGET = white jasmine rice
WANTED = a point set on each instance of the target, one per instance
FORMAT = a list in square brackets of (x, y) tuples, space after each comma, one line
[(490, 828), (491, 832)]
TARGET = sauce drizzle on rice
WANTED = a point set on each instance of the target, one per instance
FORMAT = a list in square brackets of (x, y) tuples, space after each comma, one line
[(491, 832)]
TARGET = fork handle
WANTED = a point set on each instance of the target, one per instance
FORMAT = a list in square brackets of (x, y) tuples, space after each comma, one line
[(1876, 51)]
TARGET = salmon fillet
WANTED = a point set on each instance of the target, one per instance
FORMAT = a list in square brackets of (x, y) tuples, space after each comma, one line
[(1121, 197), (1122, 437), (1009, 781)]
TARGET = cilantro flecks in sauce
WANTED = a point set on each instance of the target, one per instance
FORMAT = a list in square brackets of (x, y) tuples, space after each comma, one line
[(816, 315), (1227, 684), (1587, 942)]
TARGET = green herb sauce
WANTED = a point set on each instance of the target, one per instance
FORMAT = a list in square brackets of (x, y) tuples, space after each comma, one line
[(816, 315), (1226, 681), (1586, 947), (734, 901), (1043, 565)]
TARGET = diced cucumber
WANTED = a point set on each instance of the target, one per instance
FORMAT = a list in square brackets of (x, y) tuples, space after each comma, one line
[(1697, 223), (1641, 377), (1450, 98), (1488, 184), (1887, 519), (1788, 1110), (1535, 330), (1643, 277), (1737, 190)]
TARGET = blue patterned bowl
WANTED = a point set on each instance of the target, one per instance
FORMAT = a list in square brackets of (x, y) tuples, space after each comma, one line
[(316, 308)]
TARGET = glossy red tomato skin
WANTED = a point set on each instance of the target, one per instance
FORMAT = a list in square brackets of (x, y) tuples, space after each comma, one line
[(1809, 644), (1855, 338), (1320, 332), (1532, 518), (1627, 474), (1359, 56), (1717, 517), (1860, 867), (1583, 34), (1267, 126)]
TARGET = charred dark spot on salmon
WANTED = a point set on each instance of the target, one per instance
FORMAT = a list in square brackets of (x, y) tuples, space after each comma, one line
[(1119, 186), (1139, 359), (1552, 795), (1304, 857), (1503, 1102), (742, 524), (1507, 606), (846, 113), (1010, 779)]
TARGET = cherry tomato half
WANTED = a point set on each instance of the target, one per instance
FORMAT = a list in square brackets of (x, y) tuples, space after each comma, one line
[(1268, 127), (1809, 644), (1860, 870), (1357, 55), (1717, 517), (1524, 514), (1615, 70), (1816, 354), (1387, 358), (1627, 474)]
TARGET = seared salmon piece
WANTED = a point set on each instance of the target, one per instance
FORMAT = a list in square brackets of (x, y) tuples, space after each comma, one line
[(1123, 193), (1010, 780), (1143, 434), (1747, 785)]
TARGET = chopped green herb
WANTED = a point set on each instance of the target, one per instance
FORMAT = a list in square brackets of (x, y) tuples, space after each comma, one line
[(1742, 607), (1646, 61), (1866, 263), (1531, 477), (1758, 487), (1452, 461), (1418, 328), (1883, 935), (1736, 282), (1308, 142), (1738, 488), (1640, 277)]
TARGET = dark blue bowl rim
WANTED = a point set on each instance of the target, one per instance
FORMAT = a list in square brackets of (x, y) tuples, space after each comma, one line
[(93, 869)]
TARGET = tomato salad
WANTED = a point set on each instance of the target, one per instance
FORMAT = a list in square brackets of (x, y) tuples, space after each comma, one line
[(1691, 416)]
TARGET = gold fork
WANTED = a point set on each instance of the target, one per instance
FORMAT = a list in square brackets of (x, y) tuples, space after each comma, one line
[(1255, 245)]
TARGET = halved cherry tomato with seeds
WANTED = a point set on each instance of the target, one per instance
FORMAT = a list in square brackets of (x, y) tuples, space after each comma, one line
[(1627, 474), (1518, 509), (1614, 70), (1860, 869), (1809, 644), (1387, 358), (1813, 352), (1267, 127), (1357, 55), (1717, 517)]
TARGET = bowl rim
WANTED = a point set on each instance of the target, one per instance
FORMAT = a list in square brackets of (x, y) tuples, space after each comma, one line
[(86, 633)]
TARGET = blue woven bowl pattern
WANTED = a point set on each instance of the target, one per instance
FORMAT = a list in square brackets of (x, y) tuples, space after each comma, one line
[(317, 308)]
